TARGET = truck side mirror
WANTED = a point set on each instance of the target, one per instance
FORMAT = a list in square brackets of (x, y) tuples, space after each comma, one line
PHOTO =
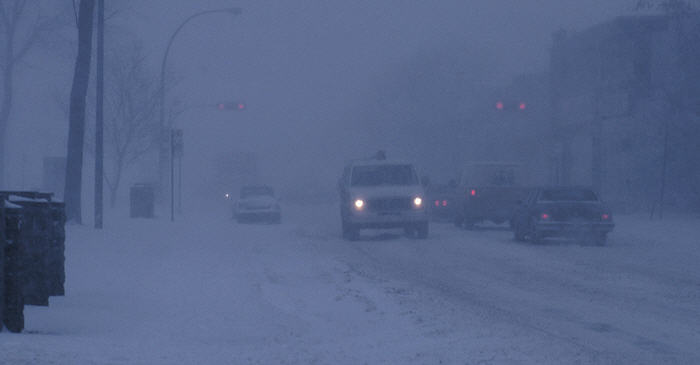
[(425, 181), (341, 184)]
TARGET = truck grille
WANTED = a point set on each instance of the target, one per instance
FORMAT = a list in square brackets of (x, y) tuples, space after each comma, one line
[(389, 204)]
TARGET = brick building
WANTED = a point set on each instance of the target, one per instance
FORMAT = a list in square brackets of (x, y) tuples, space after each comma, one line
[(624, 99)]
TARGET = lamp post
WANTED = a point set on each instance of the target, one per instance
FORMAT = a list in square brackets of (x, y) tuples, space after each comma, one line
[(163, 152), (99, 117)]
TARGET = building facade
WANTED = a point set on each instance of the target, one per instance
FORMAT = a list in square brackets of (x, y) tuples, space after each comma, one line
[(621, 93)]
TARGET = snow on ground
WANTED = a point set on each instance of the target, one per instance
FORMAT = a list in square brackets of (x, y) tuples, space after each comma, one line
[(207, 290)]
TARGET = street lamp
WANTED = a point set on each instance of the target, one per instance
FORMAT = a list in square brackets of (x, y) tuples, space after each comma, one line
[(163, 148)]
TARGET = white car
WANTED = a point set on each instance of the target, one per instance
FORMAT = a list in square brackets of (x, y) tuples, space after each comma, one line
[(257, 203), (382, 194)]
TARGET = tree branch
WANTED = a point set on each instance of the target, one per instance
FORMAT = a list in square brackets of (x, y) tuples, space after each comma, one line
[(3, 16)]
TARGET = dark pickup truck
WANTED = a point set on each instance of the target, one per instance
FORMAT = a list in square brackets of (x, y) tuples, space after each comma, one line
[(487, 191), (562, 212)]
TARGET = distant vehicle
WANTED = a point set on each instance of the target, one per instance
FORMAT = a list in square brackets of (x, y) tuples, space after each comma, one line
[(441, 202), (488, 191), (257, 203), (381, 194), (562, 212)]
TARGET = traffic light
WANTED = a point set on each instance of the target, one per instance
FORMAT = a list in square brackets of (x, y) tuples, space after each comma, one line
[(501, 105), (235, 106)]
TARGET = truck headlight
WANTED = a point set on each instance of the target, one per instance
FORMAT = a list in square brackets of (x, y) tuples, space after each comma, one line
[(417, 202), (359, 204)]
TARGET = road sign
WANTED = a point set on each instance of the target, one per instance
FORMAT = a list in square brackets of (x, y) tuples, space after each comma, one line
[(178, 143)]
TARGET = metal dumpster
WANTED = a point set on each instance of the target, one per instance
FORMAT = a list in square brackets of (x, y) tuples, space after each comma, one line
[(142, 198), (11, 297), (57, 247), (2, 262), (33, 241)]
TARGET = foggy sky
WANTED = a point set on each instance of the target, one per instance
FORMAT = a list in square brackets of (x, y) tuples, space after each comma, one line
[(303, 68)]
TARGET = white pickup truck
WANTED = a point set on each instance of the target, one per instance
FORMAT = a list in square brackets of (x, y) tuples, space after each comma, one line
[(377, 193)]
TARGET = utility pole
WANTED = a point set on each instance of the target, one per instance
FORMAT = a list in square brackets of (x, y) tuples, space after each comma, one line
[(597, 143), (599, 113), (560, 165), (172, 174), (179, 183), (176, 148), (99, 117), (166, 133), (660, 203), (597, 155)]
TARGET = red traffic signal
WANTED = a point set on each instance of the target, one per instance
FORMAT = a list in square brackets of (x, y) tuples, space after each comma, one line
[(232, 106), (500, 105)]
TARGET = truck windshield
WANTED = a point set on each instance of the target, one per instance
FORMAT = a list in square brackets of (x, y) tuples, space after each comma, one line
[(575, 195), (383, 175), (250, 191)]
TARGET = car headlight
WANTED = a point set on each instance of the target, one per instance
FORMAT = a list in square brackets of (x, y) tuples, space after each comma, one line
[(417, 202), (359, 204)]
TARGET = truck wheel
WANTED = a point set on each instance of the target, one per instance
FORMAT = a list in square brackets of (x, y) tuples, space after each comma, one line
[(353, 233), (13, 307), (422, 230), (14, 319), (518, 234), (458, 221), (600, 239), (350, 232), (409, 231), (468, 224), (533, 235)]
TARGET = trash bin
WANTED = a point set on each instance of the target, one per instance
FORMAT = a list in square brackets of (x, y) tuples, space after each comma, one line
[(142, 198), (11, 297), (32, 257), (57, 258), (2, 261), (36, 240)]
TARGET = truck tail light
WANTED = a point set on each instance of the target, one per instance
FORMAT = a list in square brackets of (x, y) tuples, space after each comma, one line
[(545, 216), (472, 192), (605, 216)]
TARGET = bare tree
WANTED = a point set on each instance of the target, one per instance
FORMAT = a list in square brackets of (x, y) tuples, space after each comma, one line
[(131, 102), (21, 27), (677, 98), (76, 132), (668, 6)]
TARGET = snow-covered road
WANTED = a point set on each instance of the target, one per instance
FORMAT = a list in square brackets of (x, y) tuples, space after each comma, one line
[(211, 291)]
